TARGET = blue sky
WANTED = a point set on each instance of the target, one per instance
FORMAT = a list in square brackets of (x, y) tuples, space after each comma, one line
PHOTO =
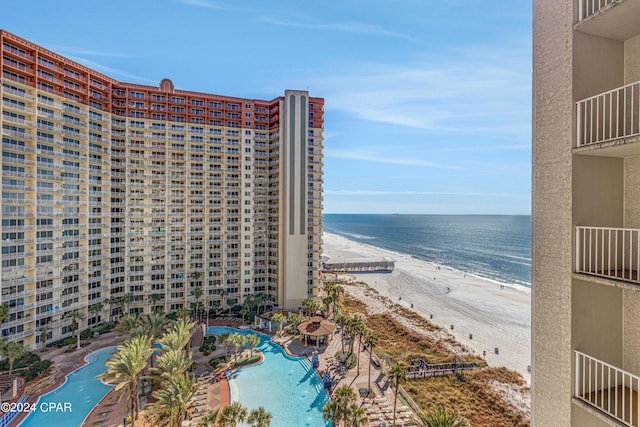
[(427, 102)]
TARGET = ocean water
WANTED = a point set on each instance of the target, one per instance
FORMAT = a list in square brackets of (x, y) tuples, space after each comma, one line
[(494, 247)]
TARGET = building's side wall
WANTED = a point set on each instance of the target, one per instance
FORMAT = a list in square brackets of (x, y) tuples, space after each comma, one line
[(552, 236), (293, 167)]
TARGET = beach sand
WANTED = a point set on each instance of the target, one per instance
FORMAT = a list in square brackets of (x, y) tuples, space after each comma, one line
[(496, 316)]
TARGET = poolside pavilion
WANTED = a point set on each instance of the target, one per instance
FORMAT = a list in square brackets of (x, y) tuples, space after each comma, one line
[(318, 330)]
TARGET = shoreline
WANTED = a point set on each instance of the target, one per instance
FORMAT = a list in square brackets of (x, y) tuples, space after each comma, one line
[(481, 314), (518, 286)]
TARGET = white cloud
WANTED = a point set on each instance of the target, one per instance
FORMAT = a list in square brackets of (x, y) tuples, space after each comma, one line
[(201, 3), (461, 91), (381, 155), (420, 193), (347, 27), (112, 72), (84, 51)]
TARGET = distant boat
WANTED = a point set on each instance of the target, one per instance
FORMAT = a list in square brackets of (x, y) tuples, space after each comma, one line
[(395, 214)]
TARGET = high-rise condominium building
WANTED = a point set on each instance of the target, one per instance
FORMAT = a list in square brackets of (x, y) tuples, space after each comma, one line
[(586, 213), (122, 197)]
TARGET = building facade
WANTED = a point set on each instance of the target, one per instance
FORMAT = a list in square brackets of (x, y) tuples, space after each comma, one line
[(119, 197), (586, 213)]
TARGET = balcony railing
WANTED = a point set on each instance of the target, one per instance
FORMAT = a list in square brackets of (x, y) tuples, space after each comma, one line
[(587, 8), (609, 116), (608, 388), (608, 252)]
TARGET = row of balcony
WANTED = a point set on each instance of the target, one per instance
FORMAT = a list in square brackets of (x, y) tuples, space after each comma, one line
[(614, 254)]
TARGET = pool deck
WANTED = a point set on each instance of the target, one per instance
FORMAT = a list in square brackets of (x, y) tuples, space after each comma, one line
[(213, 390), (379, 407), (68, 360)]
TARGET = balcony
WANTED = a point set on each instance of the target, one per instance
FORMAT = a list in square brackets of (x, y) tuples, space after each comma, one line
[(613, 253), (609, 119), (613, 19), (607, 388)]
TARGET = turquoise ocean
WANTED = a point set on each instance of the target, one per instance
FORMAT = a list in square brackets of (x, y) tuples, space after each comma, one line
[(493, 247)]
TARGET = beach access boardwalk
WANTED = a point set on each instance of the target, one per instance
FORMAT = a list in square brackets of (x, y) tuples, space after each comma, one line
[(440, 369), (359, 266)]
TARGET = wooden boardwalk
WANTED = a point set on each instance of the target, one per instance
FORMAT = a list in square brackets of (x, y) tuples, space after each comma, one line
[(424, 370)]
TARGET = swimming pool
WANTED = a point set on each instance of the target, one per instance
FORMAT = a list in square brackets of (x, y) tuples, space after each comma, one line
[(81, 390), (286, 386)]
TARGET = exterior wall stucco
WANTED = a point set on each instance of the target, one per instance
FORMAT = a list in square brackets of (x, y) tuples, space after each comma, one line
[(632, 192), (597, 321), (598, 65), (597, 191), (632, 60), (583, 418), (631, 333), (552, 237)]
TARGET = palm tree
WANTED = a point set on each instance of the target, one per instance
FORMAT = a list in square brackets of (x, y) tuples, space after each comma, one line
[(370, 340), (4, 313), (172, 400), (95, 308), (252, 341), (279, 319), (233, 414), (225, 339), (155, 298), (397, 374), (75, 317), (360, 331), (354, 325), (310, 306), (197, 294), (171, 363), (440, 417), (261, 300), (342, 321), (182, 313), (237, 341), (331, 412), (209, 419), (12, 351), (153, 325), (343, 396), (259, 417), (326, 305), (125, 369), (295, 320), (128, 322), (43, 333), (244, 310), (337, 295), (126, 300), (356, 416)]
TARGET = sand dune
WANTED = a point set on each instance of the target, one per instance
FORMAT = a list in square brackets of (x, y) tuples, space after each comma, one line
[(496, 316)]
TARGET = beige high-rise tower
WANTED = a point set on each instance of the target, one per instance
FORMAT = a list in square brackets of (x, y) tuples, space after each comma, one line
[(586, 213), (119, 197)]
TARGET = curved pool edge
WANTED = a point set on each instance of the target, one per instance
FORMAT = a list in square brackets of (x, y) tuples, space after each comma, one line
[(282, 349), (21, 419)]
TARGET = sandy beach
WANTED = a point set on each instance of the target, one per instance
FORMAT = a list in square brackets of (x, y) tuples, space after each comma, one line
[(496, 316)]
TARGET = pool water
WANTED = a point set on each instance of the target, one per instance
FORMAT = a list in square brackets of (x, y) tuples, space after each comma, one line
[(288, 387), (81, 389)]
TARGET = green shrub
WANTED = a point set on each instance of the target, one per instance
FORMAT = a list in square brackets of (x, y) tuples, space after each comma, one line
[(247, 361), (216, 362), (36, 369), (207, 348)]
